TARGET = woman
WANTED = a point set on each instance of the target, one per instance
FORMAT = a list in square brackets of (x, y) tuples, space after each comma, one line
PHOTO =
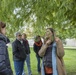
[(52, 52), (37, 46), (24, 37), (5, 68)]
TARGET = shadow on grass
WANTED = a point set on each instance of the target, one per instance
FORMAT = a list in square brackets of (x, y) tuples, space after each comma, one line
[(72, 73), (34, 74)]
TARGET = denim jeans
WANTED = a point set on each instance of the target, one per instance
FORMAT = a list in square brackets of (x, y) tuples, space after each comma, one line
[(19, 65), (28, 65), (38, 64)]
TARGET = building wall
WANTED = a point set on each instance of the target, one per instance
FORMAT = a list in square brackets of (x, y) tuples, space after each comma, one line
[(71, 42)]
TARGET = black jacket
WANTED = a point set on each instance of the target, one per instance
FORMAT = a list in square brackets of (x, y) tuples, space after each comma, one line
[(19, 50), (36, 49), (27, 44), (5, 68)]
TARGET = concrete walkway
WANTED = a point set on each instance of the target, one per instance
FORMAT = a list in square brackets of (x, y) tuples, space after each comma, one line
[(70, 48)]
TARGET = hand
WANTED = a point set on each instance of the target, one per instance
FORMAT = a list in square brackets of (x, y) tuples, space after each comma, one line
[(57, 39), (48, 42)]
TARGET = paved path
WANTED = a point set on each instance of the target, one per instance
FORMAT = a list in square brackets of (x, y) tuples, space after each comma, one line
[(70, 48)]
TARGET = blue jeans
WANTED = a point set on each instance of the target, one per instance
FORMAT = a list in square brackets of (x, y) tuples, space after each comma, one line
[(19, 65), (28, 65), (38, 64)]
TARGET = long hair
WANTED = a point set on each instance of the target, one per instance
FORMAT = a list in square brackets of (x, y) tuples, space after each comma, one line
[(2, 25)]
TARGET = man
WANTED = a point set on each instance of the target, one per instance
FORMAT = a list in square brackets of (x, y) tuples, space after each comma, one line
[(19, 53), (24, 36)]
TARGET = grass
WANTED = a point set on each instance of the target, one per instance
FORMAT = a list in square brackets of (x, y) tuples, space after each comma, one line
[(69, 59)]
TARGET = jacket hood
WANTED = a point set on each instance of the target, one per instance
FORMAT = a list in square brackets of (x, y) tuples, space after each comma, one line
[(3, 37)]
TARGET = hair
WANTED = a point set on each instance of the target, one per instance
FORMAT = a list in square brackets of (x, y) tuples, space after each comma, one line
[(24, 34), (38, 36), (53, 31), (2, 25)]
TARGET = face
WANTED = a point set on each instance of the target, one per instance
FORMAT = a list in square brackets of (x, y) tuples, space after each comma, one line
[(38, 39), (48, 34), (3, 30), (19, 37), (24, 36)]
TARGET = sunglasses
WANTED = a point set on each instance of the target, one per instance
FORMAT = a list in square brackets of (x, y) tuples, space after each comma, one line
[(19, 35)]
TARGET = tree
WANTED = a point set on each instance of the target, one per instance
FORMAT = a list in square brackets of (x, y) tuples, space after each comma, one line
[(59, 14)]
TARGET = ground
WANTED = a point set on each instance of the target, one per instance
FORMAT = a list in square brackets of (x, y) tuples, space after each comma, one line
[(69, 59)]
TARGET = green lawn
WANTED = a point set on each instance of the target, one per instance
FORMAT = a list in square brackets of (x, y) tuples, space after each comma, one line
[(69, 59)]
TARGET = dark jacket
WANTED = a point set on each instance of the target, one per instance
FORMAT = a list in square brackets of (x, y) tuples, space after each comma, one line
[(37, 47), (5, 68), (27, 44), (19, 50)]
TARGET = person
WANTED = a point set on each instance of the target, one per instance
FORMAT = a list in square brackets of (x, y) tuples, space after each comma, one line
[(52, 52), (37, 45), (19, 53), (24, 37), (5, 68)]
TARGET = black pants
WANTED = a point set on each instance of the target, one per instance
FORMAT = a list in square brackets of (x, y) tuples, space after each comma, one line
[(48, 74)]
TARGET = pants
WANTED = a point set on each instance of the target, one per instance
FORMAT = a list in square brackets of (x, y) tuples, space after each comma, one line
[(28, 65), (19, 65), (38, 64)]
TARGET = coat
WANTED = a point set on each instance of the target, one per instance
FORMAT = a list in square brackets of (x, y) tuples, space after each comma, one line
[(37, 47), (59, 56), (27, 44), (5, 68), (20, 50)]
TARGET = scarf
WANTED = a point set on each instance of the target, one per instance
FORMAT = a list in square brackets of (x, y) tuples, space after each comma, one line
[(54, 64), (38, 43)]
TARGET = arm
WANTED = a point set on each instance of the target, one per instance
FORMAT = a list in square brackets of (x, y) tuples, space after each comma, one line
[(14, 47), (3, 67), (28, 47), (60, 49), (34, 48), (44, 48), (15, 50)]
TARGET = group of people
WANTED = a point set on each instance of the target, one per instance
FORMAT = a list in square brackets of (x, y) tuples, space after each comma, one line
[(21, 53), (50, 52)]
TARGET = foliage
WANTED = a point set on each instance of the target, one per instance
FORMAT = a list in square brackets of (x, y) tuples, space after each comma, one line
[(59, 14)]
